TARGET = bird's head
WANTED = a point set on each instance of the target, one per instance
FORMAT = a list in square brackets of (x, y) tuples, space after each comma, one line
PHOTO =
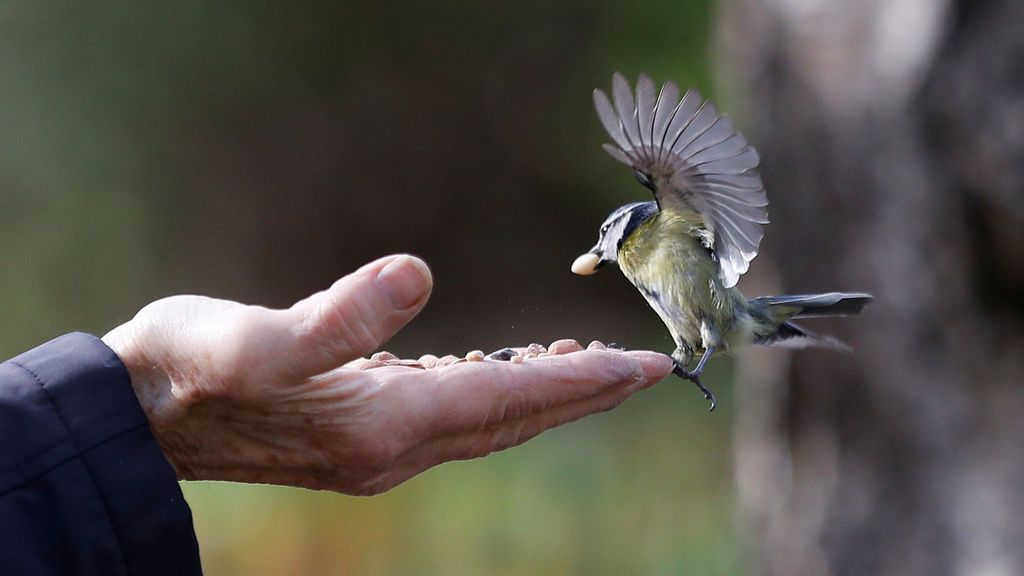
[(616, 228)]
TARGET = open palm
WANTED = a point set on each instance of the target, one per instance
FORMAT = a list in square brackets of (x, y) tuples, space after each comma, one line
[(247, 393)]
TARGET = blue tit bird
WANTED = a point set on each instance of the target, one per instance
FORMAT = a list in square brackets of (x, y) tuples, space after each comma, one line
[(686, 250)]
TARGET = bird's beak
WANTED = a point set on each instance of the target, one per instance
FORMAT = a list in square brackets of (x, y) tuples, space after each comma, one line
[(586, 264)]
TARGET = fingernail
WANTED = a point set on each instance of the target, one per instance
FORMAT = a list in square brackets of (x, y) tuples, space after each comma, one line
[(404, 281), (655, 366)]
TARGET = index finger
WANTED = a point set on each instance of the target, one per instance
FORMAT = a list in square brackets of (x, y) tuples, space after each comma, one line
[(477, 395)]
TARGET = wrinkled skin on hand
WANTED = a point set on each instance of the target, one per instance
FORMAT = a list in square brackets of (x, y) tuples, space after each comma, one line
[(251, 394)]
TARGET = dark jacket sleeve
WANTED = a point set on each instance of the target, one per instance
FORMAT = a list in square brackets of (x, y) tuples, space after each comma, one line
[(84, 488)]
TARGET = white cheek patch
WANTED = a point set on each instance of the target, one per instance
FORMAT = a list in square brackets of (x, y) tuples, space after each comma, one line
[(610, 240)]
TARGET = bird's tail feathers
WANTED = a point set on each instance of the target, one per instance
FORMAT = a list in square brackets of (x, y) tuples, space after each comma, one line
[(790, 335), (814, 305)]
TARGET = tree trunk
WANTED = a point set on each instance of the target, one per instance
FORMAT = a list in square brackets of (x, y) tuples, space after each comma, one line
[(892, 142)]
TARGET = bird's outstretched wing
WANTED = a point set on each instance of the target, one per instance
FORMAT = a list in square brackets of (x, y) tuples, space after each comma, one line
[(695, 161)]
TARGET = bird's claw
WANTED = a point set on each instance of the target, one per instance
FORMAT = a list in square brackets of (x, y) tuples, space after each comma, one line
[(695, 378)]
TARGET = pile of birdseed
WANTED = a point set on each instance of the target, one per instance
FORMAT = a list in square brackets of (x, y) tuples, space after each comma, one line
[(513, 355)]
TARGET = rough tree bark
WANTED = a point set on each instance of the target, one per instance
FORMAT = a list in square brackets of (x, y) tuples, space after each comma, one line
[(892, 138)]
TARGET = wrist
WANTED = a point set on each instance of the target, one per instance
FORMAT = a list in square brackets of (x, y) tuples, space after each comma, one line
[(154, 390)]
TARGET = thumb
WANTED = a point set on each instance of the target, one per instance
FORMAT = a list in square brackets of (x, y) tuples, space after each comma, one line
[(358, 313)]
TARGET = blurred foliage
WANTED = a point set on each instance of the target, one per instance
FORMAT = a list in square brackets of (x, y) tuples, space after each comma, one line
[(257, 151)]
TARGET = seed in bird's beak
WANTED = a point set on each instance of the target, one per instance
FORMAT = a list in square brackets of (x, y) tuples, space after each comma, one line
[(586, 264)]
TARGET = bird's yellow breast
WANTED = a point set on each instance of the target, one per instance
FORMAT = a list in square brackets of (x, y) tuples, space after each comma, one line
[(666, 259)]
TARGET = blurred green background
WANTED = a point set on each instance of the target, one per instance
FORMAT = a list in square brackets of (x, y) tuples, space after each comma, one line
[(258, 151)]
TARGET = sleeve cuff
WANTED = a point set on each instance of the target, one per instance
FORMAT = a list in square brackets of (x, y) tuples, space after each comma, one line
[(76, 409)]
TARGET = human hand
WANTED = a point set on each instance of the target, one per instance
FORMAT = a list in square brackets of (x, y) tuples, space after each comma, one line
[(251, 394)]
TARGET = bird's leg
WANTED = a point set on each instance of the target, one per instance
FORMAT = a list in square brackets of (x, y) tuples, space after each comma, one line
[(703, 361), (694, 376)]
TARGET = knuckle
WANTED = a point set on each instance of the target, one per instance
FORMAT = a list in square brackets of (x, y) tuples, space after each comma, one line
[(347, 325)]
